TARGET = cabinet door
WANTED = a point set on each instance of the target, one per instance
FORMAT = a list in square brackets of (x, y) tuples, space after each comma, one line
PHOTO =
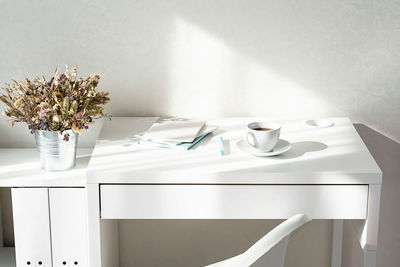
[(31, 226), (68, 226)]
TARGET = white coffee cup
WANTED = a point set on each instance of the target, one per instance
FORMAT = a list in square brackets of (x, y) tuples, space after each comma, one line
[(263, 136)]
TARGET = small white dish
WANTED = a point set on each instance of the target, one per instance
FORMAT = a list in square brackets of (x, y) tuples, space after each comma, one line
[(321, 123), (281, 147)]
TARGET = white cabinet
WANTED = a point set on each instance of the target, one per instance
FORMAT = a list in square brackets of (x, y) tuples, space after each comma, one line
[(31, 226), (50, 226), (68, 226)]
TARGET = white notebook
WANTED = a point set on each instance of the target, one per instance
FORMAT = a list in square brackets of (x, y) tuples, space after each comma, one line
[(176, 131)]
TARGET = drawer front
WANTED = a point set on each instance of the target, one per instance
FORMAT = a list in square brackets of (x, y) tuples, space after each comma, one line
[(233, 201)]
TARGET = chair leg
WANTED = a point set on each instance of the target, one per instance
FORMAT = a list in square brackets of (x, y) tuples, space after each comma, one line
[(337, 237)]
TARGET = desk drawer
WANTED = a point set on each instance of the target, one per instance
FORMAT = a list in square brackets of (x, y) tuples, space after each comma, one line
[(233, 201)]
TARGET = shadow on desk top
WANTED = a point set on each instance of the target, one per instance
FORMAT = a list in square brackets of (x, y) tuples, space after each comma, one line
[(298, 149)]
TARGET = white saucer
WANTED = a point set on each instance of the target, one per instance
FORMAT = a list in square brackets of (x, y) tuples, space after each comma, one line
[(280, 148), (321, 123)]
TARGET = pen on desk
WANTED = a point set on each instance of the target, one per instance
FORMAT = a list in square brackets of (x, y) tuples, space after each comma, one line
[(221, 145)]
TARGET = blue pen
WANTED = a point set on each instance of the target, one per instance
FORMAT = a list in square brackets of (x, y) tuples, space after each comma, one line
[(221, 145)]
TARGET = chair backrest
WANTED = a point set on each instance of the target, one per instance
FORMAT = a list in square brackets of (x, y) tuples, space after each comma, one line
[(270, 250)]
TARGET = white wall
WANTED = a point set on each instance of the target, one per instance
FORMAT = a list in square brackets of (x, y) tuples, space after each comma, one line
[(215, 58)]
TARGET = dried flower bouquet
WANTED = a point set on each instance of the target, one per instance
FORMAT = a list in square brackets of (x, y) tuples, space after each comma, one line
[(62, 103)]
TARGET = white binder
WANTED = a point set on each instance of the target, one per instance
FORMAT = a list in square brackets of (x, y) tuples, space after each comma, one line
[(68, 226), (31, 226)]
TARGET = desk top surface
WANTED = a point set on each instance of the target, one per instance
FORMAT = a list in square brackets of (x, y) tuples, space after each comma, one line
[(20, 167), (333, 155)]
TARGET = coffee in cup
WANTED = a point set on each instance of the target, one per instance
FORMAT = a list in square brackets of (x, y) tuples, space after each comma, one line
[(263, 136)]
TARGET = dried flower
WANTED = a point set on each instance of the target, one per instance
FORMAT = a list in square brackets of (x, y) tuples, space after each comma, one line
[(62, 103)]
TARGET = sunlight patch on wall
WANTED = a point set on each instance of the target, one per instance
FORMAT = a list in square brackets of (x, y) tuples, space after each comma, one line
[(201, 66), (210, 79)]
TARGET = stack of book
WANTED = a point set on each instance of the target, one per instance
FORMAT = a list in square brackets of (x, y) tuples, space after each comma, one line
[(177, 134)]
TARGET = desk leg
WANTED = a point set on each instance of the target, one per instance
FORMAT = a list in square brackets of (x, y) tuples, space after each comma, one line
[(93, 204), (102, 234), (367, 230), (337, 237)]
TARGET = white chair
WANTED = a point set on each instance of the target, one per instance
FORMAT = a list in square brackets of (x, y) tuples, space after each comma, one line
[(270, 250)]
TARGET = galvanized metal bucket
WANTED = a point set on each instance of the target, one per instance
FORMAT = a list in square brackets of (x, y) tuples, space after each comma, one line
[(56, 154)]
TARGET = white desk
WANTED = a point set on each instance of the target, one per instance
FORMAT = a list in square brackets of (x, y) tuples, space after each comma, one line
[(328, 174)]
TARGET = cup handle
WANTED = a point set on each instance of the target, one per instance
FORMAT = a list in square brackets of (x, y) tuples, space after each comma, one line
[(251, 141)]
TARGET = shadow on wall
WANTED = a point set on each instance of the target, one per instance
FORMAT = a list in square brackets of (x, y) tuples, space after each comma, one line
[(386, 153)]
